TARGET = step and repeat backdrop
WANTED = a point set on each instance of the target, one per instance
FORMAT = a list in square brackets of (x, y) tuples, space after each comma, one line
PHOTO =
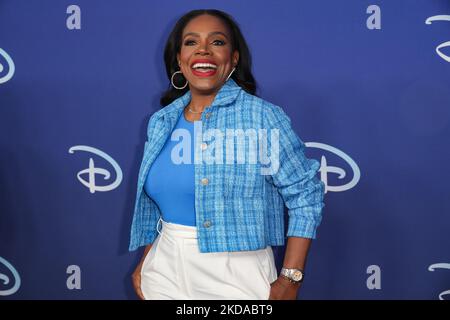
[(367, 87)]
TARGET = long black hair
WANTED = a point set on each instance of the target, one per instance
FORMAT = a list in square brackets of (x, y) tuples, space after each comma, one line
[(242, 75)]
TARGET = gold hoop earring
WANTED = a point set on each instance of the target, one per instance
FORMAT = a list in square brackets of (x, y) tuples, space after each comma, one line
[(234, 68), (173, 84)]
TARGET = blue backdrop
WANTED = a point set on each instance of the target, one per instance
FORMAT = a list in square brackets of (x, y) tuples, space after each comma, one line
[(366, 84)]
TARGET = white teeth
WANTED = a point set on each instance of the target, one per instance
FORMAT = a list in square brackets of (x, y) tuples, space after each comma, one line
[(204, 65)]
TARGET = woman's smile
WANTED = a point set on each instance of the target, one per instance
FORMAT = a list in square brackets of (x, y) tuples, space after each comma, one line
[(203, 67)]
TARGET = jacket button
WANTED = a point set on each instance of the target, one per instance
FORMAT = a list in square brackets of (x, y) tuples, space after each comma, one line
[(204, 181), (203, 146), (207, 224), (208, 115)]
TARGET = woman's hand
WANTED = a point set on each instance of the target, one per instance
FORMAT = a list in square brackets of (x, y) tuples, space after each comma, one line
[(283, 289), (136, 276)]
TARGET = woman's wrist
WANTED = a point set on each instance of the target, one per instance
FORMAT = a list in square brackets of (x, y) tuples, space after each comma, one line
[(287, 283)]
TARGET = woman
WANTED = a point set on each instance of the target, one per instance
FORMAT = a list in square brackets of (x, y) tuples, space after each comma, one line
[(208, 223)]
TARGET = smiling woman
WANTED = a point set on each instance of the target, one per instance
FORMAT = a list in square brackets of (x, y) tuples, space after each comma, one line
[(206, 71), (220, 219), (206, 36)]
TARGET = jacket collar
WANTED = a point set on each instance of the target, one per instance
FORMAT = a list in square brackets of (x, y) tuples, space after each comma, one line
[(226, 95)]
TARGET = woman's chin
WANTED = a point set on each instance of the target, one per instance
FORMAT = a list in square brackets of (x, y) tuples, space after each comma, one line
[(204, 85)]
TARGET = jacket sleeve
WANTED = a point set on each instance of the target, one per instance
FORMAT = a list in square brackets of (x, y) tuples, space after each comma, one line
[(144, 222), (296, 178)]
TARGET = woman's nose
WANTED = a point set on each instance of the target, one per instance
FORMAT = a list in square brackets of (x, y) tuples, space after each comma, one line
[(203, 49)]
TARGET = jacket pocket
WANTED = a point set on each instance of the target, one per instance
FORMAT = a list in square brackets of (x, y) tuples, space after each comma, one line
[(243, 180)]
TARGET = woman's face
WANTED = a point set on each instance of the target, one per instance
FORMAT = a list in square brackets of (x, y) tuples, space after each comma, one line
[(206, 58)]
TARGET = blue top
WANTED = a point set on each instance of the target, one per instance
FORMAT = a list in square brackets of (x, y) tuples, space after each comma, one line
[(170, 180)]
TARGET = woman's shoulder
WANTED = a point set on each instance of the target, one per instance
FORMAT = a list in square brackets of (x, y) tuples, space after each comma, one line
[(272, 113), (153, 123), (157, 114)]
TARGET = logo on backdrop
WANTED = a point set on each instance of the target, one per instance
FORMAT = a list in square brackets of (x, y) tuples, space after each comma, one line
[(73, 22), (374, 280), (11, 68), (435, 266), (444, 44), (73, 281), (373, 21), (91, 171), (325, 169), (6, 280)]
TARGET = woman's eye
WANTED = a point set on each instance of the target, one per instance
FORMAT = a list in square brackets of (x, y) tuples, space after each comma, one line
[(219, 42), (189, 42)]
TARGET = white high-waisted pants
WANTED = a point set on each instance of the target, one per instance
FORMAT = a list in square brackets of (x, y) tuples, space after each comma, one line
[(174, 268)]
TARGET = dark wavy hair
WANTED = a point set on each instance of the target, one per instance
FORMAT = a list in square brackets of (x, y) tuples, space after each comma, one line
[(242, 75)]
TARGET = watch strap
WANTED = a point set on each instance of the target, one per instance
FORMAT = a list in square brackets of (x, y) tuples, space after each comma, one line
[(292, 274)]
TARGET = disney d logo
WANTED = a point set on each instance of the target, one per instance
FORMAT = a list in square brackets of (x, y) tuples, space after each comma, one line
[(440, 266), (11, 68), (5, 279), (444, 44), (325, 169), (92, 170)]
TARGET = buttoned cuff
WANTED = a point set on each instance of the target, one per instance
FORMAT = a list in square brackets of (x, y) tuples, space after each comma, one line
[(300, 226)]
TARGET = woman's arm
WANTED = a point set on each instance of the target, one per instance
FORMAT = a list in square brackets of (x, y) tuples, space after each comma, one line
[(296, 180), (295, 257), (296, 252), (136, 276)]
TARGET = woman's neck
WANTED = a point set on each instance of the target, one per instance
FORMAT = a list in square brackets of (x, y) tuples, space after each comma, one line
[(199, 101)]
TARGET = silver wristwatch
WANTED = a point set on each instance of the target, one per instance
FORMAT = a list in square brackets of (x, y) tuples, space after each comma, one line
[(293, 275)]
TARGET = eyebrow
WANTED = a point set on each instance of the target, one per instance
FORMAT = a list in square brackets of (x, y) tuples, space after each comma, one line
[(209, 34)]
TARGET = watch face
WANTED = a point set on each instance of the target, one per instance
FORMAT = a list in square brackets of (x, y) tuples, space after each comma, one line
[(297, 275)]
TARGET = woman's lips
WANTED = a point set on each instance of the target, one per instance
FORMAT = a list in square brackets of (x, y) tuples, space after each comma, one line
[(204, 73), (203, 67)]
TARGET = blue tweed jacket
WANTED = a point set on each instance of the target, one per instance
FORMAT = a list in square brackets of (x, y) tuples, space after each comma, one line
[(237, 208)]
